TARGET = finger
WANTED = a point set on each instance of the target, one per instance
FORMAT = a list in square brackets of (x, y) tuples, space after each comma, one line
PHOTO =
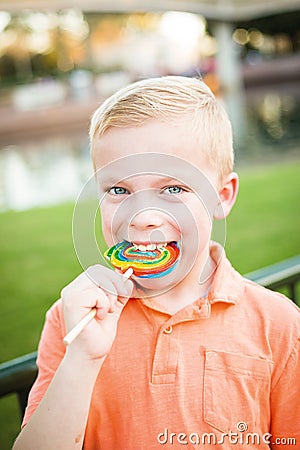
[(124, 287), (76, 306), (112, 302), (110, 281), (113, 284), (96, 275), (101, 276), (112, 297)]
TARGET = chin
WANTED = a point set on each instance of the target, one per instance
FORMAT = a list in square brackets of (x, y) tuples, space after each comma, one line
[(157, 286)]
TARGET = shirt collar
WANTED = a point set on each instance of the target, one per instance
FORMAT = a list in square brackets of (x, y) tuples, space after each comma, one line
[(227, 287), (227, 284)]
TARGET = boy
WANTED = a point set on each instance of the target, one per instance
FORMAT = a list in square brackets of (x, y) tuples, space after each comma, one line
[(199, 357)]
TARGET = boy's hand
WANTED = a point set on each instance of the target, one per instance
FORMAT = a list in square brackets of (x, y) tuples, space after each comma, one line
[(108, 296)]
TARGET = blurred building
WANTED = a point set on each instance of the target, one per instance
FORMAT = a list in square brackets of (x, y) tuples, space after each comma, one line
[(59, 59)]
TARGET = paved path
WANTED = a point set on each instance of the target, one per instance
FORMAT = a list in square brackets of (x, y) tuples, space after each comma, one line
[(68, 117)]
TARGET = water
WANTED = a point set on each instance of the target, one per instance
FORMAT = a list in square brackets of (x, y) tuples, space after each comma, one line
[(53, 169), (48, 171)]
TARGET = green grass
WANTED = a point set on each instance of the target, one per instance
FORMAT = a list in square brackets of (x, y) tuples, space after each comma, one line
[(263, 227), (38, 259)]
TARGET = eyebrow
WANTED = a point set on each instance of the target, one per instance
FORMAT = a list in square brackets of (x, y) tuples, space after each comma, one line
[(111, 180)]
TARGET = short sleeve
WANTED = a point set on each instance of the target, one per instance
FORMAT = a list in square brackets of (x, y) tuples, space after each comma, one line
[(285, 404), (51, 351)]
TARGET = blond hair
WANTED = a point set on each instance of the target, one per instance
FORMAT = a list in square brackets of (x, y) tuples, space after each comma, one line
[(171, 98)]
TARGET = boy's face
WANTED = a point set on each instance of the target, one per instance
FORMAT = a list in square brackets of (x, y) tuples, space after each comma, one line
[(156, 187)]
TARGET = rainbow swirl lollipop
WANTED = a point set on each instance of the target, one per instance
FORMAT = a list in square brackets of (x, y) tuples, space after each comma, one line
[(145, 264)]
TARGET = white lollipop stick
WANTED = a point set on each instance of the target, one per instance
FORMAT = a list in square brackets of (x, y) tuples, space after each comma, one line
[(69, 338)]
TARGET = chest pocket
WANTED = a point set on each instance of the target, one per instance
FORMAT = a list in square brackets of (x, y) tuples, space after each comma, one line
[(236, 389)]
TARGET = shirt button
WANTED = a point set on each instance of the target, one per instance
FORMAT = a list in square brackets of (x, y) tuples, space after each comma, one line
[(168, 330)]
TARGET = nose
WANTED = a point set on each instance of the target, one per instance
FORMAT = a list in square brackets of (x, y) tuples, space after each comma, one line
[(146, 220)]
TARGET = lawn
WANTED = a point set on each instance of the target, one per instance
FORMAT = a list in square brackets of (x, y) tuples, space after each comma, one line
[(38, 258)]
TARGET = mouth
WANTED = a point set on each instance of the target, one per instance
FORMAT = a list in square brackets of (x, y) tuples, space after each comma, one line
[(148, 260), (145, 247), (151, 246)]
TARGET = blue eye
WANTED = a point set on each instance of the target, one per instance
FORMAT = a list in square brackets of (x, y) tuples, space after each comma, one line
[(118, 190), (173, 190)]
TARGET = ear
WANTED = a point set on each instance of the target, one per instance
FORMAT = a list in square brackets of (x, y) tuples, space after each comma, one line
[(227, 196)]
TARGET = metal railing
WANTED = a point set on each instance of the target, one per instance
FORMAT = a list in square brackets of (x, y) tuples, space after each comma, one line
[(285, 274), (18, 375)]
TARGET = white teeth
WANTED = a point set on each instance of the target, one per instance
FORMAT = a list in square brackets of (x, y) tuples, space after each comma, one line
[(148, 247), (151, 247)]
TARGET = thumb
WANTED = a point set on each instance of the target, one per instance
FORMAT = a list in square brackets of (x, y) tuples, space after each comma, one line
[(123, 299), (126, 293)]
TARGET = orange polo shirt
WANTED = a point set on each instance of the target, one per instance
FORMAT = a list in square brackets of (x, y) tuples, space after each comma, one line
[(222, 373)]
